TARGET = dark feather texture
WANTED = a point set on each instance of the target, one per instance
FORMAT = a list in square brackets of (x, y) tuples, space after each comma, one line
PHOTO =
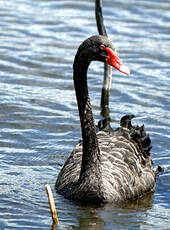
[(110, 165), (125, 170)]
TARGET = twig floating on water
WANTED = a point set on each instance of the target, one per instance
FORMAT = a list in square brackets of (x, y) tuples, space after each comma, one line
[(52, 204)]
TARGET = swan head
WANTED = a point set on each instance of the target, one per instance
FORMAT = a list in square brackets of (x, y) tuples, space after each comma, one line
[(100, 48)]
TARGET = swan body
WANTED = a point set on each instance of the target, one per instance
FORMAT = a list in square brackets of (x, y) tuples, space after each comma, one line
[(125, 171), (106, 165)]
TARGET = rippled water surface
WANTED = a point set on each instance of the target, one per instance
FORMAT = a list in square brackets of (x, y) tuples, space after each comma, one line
[(38, 113)]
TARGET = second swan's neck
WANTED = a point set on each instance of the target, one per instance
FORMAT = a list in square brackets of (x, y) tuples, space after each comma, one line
[(91, 155)]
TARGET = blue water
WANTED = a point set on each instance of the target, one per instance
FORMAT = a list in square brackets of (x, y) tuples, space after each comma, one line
[(39, 121)]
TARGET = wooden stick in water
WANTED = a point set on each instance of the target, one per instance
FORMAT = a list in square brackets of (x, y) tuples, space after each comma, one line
[(52, 204)]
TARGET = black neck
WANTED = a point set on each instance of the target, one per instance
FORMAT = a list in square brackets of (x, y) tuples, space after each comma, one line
[(99, 17), (90, 144)]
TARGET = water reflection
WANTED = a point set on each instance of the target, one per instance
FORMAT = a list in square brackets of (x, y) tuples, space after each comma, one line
[(129, 214)]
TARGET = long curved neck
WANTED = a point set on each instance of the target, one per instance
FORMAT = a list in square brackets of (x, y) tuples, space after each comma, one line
[(91, 154)]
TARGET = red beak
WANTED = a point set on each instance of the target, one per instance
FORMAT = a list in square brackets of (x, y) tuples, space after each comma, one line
[(114, 60)]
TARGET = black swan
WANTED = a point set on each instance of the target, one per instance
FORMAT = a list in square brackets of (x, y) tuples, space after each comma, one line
[(107, 68), (108, 165)]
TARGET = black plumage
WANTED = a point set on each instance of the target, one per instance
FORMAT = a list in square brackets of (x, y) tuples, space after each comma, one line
[(110, 165)]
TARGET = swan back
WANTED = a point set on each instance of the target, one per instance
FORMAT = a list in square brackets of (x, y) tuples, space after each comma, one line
[(125, 171)]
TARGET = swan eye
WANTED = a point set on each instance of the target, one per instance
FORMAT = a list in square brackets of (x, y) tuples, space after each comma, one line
[(102, 47)]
